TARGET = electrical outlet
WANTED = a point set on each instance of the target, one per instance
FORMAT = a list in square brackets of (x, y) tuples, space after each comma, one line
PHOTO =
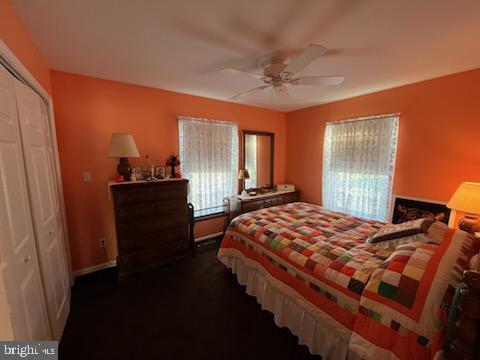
[(87, 176), (103, 243)]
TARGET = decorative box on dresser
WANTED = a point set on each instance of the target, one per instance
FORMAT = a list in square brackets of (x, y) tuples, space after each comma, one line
[(154, 224)]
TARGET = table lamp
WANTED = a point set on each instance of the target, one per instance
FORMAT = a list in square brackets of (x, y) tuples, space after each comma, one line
[(243, 175), (465, 333), (467, 200), (123, 146)]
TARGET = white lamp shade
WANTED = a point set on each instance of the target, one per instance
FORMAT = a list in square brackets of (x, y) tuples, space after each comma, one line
[(466, 198), (122, 146)]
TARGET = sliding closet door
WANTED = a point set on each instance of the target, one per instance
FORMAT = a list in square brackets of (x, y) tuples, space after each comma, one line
[(46, 207), (18, 253)]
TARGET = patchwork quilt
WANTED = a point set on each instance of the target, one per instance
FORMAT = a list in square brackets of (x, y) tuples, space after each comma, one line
[(393, 302)]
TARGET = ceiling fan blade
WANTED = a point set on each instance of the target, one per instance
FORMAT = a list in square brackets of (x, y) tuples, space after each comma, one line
[(211, 37), (318, 80), (271, 39), (234, 97), (308, 55), (282, 93), (241, 72)]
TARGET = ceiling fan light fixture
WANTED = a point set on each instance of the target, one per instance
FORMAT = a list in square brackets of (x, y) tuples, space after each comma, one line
[(277, 74)]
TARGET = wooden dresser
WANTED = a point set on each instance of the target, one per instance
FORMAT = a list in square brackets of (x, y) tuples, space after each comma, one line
[(154, 224), (236, 205)]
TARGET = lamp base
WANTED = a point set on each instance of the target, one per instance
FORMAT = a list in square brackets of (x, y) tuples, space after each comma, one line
[(470, 223), (124, 169)]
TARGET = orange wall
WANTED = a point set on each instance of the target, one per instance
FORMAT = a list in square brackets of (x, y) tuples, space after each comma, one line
[(88, 110), (438, 144), (18, 40)]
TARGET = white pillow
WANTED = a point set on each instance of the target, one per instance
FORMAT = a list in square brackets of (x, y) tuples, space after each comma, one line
[(473, 263), (436, 232)]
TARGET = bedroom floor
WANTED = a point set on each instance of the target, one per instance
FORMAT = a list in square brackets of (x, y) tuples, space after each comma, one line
[(191, 309)]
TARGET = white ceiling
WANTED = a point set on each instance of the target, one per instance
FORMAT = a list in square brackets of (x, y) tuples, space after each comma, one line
[(181, 45)]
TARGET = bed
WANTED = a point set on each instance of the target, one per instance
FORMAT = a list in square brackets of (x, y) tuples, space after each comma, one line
[(342, 297)]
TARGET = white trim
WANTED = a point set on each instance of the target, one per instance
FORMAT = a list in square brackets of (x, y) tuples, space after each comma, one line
[(17, 65), (91, 269), (208, 237), (190, 118), (369, 117)]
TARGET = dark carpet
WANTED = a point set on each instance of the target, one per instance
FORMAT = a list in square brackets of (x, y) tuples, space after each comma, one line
[(193, 309)]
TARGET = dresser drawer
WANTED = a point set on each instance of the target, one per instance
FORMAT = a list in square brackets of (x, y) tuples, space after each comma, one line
[(141, 229), (291, 197), (135, 212), (133, 195), (252, 205), (140, 194), (274, 201), (154, 242), (150, 210)]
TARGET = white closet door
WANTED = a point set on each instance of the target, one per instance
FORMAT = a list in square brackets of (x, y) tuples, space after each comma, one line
[(19, 261), (56, 196), (61, 268), (46, 207)]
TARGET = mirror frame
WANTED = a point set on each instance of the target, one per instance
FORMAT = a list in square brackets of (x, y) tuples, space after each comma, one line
[(272, 153)]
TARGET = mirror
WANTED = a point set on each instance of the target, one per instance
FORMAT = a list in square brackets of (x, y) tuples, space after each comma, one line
[(258, 158)]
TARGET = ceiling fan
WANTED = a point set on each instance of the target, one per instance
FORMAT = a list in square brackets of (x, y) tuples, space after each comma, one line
[(277, 74)]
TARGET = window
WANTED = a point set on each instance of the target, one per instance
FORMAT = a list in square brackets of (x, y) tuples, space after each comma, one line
[(209, 160), (358, 165)]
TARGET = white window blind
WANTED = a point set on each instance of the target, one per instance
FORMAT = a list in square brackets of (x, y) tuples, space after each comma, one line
[(358, 165), (209, 160)]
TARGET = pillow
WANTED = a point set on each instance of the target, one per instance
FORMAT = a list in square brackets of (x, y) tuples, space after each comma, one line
[(473, 263), (396, 231), (393, 243), (436, 232)]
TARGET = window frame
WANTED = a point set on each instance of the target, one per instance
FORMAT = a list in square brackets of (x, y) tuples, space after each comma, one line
[(211, 212), (395, 117)]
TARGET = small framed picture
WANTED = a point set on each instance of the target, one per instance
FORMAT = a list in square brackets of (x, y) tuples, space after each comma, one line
[(138, 173), (146, 173), (159, 172)]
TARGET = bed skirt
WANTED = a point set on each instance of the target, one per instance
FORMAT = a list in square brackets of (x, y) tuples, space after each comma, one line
[(322, 334)]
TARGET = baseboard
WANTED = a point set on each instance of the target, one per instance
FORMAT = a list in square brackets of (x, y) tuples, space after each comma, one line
[(94, 268), (208, 237), (113, 263)]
